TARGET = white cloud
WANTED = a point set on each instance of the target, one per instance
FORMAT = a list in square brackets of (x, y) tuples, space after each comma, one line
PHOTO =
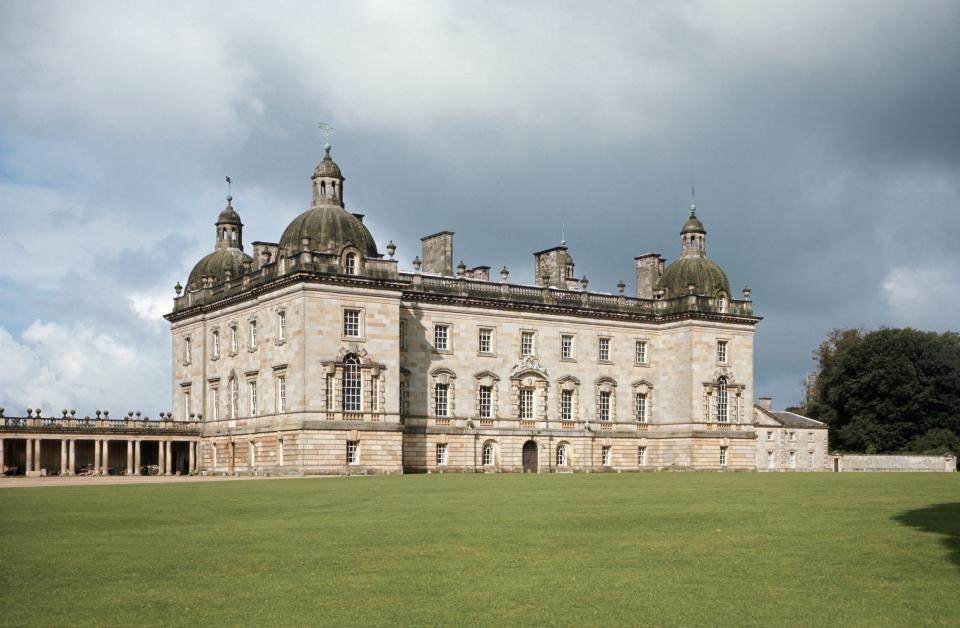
[(54, 366), (927, 297)]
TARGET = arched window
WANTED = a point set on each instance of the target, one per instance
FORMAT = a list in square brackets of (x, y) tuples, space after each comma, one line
[(350, 264), (723, 415), (351, 384), (722, 302), (563, 456), (489, 455)]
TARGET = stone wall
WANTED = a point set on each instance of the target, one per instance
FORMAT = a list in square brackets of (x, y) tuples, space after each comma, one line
[(863, 462)]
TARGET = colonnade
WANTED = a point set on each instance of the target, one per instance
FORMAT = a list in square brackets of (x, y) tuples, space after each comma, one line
[(101, 454)]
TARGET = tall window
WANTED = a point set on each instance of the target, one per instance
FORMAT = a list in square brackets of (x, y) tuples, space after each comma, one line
[(526, 343), (281, 393), (607, 456), (769, 459), (485, 340), (641, 352), (603, 350), (723, 414), (485, 397), (234, 340), (403, 334), (566, 405), (351, 323), (641, 407), (566, 347), (350, 264), (351, 384), (216, 343), (563, 457), (441, 337), (526, 403), (216, 404), (404, 400), (721, 351), (353, 452), (253, 398), (793, 460), (441, 454), (722, 303), (723, 456), (488, 455), (234, 397), (254, 339), (440, 399), (187, 404), (604, 405), (810, 460), (281, 325), (641, 456), (187, 350)]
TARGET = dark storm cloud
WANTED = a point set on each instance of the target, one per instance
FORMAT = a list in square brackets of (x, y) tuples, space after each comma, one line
[(822, 139)]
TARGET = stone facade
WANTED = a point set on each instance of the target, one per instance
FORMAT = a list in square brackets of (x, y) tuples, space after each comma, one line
[(788, 441), (321, 356)]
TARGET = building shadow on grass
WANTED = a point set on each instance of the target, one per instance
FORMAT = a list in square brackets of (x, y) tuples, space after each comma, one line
[(940, 518)]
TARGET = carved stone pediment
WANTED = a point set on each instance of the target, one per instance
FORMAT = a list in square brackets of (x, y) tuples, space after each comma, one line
[(528, 365)]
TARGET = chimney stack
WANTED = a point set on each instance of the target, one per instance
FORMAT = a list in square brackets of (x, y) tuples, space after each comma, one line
[(649, 269), (766, 403), (438, 253)]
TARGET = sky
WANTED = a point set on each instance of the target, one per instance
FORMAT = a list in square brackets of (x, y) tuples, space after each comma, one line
[(823, 139)]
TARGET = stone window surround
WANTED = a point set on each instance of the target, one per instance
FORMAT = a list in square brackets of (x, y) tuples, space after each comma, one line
[(215, 346), (735, 395), (358, 262), (449, 327), (253, 391), (609, 340), (280, 372), (253, 331), (280, 316), (492, 444), (716, 350), (642, 386), (361, 323), (402, 335), (187, 350), (572, 384), (372, 387), (533, 342), (564, 461), (608, 385), (486, 378), (646, 352), (573, 346), (442, 375), (233, 339), (493, 341), (536, 381)]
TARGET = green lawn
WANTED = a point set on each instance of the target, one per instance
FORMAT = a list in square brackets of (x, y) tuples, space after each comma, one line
[(681, 548)]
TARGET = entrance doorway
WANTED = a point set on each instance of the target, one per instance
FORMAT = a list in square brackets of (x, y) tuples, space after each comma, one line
[(529, 457)]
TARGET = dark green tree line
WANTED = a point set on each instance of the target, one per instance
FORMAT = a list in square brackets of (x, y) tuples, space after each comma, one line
[(889, 390)]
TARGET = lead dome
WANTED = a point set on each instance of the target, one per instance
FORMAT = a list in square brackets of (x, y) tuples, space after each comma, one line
[(694, 267)]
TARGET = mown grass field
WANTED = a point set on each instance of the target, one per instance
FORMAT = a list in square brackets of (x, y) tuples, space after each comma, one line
[(677, 549)]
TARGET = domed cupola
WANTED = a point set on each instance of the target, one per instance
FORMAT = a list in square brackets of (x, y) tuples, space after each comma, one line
[(228, 259), (694, 267), (327, 227)]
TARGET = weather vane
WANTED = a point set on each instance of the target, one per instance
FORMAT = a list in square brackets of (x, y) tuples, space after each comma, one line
[(693, 199), (326, 128), (563, 234), (229, 194)]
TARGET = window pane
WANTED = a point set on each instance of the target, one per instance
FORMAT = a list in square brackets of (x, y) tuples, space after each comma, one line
[(351, 384)]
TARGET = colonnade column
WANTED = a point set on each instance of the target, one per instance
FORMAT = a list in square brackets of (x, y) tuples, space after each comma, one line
[(129, 457), (36, 455), (105, 456), (193, 456), (72, 458), (161, 462), (3, 460), (63, 456), (167, 458), (29, 455), (136, 457), (96, 457)]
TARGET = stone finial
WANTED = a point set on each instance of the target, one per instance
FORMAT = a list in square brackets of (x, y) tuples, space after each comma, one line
[(416, 264), (73, 413), (746, 293), (1, 412), (691, 288), (29, 413), (106, 414), (461, 269), (138, 414), (192, 416), (39, 413), (178, 288), (199, 416), (130, 414), (391, 249), (621, 286), (65, 413), (584, 282), (504, 273)]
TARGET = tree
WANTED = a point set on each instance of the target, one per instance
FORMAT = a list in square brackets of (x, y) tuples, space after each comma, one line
[(888, 390)]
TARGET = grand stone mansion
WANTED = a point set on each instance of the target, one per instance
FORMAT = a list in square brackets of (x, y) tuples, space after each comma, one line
[(318, 354)]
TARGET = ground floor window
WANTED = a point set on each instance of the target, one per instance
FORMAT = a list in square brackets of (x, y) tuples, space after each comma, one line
[(641, 456), (723, 456), (606, 456), (353, 452), (563, 456), (526, 403), (769, 459), (793, 460), (441, 454), (488, 454)]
